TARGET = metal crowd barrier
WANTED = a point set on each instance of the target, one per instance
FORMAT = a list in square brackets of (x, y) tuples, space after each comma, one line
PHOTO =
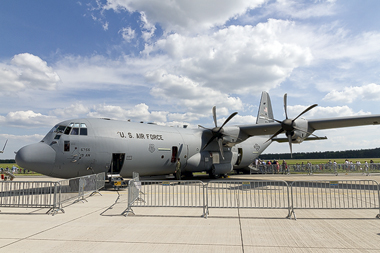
[(347, 194), (28, 194), (248, 194), (165, 194), (49, 194), (341, 194)]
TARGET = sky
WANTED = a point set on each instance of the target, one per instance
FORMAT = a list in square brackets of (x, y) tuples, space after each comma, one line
[(171, 61)]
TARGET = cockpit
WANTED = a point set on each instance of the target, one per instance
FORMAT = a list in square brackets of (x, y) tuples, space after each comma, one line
[(71, 129)]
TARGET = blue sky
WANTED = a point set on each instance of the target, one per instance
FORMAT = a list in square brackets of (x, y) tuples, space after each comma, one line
[(170, 61)]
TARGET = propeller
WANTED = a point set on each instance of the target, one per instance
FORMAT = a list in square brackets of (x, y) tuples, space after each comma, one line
[(288, 125), (217, 132)]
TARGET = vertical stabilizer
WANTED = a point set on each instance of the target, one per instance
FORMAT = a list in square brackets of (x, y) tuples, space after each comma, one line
[(265, 114)]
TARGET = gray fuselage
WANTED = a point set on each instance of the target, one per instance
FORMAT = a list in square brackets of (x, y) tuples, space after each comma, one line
[(85, 146)]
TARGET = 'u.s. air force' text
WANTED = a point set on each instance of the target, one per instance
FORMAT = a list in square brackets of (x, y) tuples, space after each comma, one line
[(142, 136)]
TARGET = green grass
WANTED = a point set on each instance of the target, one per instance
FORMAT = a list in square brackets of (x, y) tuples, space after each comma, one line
[(10, 165)]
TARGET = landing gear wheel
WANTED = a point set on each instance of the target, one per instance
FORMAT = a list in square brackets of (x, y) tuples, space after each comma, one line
[(188, 174), (213, 175)]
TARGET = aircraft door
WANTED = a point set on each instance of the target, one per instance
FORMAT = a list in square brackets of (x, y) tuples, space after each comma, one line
[(174, 154), (117, 163), (240, 156)]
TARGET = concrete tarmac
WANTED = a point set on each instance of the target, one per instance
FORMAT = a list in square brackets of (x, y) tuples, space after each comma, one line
[(92, 227)]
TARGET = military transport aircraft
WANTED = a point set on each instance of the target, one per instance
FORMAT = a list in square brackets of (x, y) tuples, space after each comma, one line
[(84, 146)]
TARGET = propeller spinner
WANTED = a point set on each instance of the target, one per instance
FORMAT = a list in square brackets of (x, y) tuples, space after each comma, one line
[(218, 132), (288, 125)]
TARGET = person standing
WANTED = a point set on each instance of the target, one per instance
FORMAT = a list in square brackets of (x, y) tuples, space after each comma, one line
[(178, 170), (284, 167)]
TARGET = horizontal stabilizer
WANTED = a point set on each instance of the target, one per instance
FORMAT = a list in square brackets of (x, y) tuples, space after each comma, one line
[(307, 139)]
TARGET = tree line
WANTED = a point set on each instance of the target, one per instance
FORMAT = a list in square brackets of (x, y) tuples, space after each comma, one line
[(362, 153)]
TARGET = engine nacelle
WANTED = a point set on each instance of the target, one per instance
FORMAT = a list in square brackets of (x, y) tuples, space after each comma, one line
[(304, 131), (233, 135)]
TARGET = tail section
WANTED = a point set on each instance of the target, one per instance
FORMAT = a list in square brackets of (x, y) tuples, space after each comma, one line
[(265, 114)]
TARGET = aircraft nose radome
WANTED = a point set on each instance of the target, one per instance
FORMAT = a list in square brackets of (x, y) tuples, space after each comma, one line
[(37, 157)]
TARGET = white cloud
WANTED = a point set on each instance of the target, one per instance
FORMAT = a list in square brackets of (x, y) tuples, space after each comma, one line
[(139, 112), (27, 119), (322, 112), (300, 9), (183, 91), (186, 16), (147, 28), (27, 71), (73, 111), (128, 34), (236, 59), (350, 94)]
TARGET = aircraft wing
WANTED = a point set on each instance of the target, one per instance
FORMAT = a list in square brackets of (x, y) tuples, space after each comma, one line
[(260, 129), (318, 124), (315, 124)]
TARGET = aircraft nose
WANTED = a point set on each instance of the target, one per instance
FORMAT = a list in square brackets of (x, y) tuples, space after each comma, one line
[(38, 157)]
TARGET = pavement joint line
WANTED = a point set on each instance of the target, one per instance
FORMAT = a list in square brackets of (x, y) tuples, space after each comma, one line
[(48, 229), (137, 242)]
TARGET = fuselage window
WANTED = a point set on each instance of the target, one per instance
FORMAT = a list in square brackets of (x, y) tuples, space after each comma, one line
[(66, 146)]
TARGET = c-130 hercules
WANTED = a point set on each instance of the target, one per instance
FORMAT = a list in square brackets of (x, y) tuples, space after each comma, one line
[(85, 146)]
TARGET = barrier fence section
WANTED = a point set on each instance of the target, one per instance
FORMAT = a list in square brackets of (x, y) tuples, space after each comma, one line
[(47, 194), (165, 194), (340, 194), (77, 188), (28, 194), (248, 194), (255, 194)]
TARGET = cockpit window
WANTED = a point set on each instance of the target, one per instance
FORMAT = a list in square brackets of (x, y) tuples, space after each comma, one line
[(59, 129), (71, 129), (83, 129), (67, 130), (53, 129), (75, 131)]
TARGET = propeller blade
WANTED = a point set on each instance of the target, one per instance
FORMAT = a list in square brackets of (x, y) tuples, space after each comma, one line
[(211, 140), (214, 115), (285, 105), (220, 143), (277, 133), (306, 110), (204, 127), (228, 119), (290, 145)]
